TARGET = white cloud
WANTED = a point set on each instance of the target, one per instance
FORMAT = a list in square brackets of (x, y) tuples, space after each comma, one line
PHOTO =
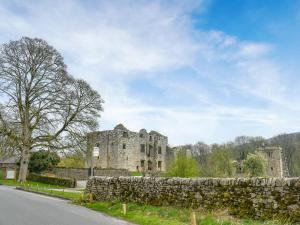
[(113, 43)]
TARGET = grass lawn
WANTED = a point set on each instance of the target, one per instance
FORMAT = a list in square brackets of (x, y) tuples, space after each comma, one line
[(136, 173), (150, 215), (12, 182), (74, 196)]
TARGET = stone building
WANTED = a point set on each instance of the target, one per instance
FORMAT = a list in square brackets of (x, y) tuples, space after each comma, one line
[(276, 165), (9, 166), (121, 148)]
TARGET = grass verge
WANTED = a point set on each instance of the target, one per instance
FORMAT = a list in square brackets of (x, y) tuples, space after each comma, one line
[(136, 174), (73, 196), (150, 215), (28, 183)]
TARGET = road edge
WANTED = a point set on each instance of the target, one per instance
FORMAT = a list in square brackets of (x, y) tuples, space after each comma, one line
[(42, 193)]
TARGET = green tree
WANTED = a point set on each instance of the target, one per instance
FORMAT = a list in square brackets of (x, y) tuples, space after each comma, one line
[(75, 160), (254, 165), (219, 163), (43, 160), (183, 166)]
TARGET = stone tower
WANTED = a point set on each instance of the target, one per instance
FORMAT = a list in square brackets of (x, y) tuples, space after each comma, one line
[(121, 148), (276, 166)]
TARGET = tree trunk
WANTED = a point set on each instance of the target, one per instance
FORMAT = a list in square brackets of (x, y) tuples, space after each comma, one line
[(24, 164)]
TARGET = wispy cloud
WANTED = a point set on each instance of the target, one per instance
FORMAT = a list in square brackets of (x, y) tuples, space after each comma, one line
[(209, 85)]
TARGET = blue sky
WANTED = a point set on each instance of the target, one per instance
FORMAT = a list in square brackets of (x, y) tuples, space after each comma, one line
[(193, 70)]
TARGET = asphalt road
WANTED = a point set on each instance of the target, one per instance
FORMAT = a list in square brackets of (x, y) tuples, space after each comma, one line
[(23, 208)]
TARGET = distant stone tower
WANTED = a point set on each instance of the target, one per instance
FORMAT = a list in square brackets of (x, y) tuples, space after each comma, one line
[(276, 166)]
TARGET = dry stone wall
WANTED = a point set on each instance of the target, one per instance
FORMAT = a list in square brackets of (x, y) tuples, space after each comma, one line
[(243, 197)]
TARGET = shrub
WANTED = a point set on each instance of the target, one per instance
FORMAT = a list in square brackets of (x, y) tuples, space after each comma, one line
[(43, 160), (183, 166), (219, 163), (255, 165), (75, 160), (65, 182)]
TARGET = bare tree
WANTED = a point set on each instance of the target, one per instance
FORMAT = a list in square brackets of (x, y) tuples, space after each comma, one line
[(43, 106), (8, 145), (200, 149)]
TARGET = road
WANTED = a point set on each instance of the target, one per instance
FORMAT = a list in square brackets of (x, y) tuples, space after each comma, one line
[(24, 208)]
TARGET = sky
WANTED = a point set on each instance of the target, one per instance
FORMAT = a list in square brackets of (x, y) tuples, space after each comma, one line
[(194, 70)]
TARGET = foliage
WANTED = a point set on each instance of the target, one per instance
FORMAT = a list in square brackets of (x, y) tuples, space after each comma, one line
[(65, 182), (254, 165), (43, 105), (75, 160), (243, 145), (43, 160), (219, 163), (183, 166), (164, 215)]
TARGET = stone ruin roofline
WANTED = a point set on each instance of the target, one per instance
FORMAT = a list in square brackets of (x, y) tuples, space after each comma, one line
[(122, 127)]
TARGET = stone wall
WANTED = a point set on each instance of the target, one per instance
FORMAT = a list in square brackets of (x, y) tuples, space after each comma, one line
[(243, 197), (83, 173)]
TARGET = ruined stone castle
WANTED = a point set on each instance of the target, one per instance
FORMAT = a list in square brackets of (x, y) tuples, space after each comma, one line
[(121, 148), (276, 164)]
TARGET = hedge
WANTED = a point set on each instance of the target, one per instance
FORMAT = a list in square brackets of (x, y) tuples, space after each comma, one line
[(65, 182)]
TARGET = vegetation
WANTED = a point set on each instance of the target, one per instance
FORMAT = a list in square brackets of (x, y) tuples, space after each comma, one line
[(255, 165), (74, 196), (43, 160), (183, 166), (43, 106), (239, 149), (149, 215), (135, 173), (65, 182), (16, 183), (219, 163), (74, 160)]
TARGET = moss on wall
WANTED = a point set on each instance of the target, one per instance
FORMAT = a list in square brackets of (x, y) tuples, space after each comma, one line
[(244, 197)]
